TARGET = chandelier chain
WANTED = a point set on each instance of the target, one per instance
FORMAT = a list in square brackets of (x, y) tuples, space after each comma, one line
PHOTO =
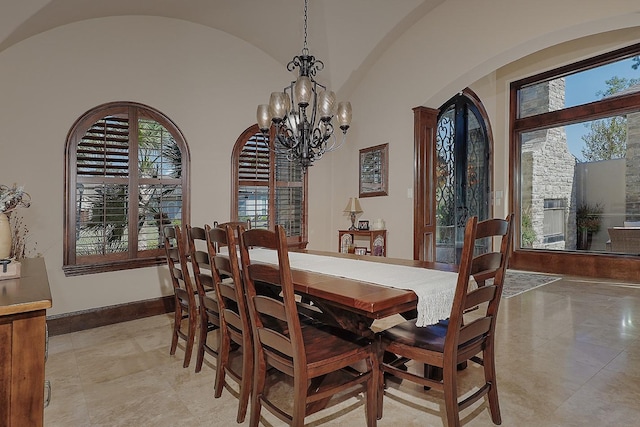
[(305, 49)]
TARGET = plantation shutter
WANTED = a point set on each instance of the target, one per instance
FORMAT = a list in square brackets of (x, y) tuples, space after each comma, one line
[(254, 175), (102, 188), (127, 185), (289, 195), (270, 188)]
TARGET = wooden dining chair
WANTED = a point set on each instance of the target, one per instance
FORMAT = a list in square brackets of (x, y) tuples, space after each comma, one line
[(304, 352), (457, 340), (208, 309), (186, 307), (235, 226), (235, 329)]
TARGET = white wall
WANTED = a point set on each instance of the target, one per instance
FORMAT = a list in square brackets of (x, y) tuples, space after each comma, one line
[(209, 83), (204, 80)]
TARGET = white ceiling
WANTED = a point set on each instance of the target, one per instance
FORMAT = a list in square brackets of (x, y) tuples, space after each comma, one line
[(347, 35)]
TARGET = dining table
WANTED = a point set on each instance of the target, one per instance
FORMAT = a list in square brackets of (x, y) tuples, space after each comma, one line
[(351, 291)]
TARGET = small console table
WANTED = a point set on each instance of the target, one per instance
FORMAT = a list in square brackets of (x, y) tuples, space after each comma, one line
[(23, 305), (375, 241)]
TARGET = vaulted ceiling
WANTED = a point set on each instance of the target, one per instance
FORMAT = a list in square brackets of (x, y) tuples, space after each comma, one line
[(347, 35)]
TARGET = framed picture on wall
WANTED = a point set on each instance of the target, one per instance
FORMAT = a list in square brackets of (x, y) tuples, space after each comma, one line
[(373, 172)]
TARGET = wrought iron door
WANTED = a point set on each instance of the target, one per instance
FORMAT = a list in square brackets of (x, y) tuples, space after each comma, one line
[(462, 187)]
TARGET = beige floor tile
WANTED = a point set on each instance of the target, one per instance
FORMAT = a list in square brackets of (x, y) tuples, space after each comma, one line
[(568, 354)]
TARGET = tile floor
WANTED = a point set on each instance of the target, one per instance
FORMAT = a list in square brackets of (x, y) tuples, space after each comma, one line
[(568, 354)]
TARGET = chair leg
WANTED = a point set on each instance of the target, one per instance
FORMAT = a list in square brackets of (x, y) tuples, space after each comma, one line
[(259, 379), (490, 377), (372, 393), (380, 396), (202, 342), (177, 319), (221, 366), (449, 376), (190, 338), (299, 401), (245, 384)]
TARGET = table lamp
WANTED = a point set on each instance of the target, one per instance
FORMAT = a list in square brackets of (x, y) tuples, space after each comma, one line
[(353, 207)]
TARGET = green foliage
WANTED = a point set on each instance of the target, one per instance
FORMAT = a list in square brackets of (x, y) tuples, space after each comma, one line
[(528, 234), (616, 84), (607, 138), (589, 217)]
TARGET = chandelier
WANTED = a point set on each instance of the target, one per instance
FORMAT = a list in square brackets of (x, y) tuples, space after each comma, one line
[(304, 128)]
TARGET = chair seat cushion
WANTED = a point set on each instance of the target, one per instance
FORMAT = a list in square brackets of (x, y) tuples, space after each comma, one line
[(429, 338), (322, 345)]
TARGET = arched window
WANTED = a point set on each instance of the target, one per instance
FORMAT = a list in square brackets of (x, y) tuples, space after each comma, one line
[(126, 175), (267, 188)]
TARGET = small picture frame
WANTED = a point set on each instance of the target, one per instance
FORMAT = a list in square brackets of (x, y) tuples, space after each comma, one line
[(361, 250), (374, 165), (363, 225)]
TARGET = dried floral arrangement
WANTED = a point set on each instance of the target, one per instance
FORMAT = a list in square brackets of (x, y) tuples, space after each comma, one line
[(21, 247), (12, 198)]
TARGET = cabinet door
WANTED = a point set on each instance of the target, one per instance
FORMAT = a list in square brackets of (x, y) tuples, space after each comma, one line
[(5, 372), (27, 384)]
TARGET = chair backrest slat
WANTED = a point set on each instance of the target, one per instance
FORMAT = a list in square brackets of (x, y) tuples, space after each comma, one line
[(230, 292), (200, 259), (489, 265), (486, 264), (274, 338), (271, 307), (176, 252), (474, 329), (480, 295), (276, 341)]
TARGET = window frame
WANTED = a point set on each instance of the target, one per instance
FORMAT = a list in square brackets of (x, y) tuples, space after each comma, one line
[(300, 241), (133, 257), (564, 262)]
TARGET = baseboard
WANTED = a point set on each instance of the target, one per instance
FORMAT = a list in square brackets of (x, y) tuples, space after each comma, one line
[(88, 319)]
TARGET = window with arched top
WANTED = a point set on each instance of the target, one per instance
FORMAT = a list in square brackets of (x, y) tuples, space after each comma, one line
[(453, 155), (126, 177), (267, 188), (462, 164)]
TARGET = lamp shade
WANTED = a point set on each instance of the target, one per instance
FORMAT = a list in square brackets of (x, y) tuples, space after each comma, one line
[(278, 105), (326, 104), (303, 89), (344, 114), (264, 117), (353, 205)]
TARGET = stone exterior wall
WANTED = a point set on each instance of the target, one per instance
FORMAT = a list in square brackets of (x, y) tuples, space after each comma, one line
[(632, 169), (547, 165)]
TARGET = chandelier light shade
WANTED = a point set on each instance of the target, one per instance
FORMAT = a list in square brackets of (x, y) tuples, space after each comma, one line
[(353, 207), (302, 114)]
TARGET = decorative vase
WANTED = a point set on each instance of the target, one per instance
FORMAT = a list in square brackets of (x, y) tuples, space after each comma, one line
[(5, 236)]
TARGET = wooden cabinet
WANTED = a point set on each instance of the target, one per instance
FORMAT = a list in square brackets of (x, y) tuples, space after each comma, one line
[(374, 242), (23, 304)]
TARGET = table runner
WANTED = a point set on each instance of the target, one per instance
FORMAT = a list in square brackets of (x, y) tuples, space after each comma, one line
[(435, 289)]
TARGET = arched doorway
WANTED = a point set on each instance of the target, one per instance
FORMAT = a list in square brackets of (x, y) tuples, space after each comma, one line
[(453, 175), (462, 166)]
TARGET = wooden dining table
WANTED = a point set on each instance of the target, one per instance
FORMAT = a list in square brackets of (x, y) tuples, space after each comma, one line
[(353, 304)]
